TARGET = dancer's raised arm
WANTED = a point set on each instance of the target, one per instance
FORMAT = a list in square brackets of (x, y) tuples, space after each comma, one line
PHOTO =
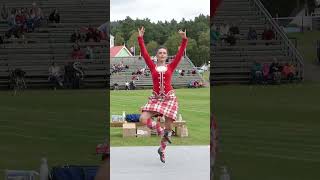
[(181, 50), (143, 49)]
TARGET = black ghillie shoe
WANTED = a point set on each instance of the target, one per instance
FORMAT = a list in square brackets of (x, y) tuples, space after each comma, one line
[(162, 158), (167, 137)]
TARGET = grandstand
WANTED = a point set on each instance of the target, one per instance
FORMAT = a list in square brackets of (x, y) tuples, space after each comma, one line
[(137, 63), (231, 64), (51, 43)]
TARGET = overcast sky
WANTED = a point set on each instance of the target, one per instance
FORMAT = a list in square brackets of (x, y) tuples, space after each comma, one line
[(158, 9)]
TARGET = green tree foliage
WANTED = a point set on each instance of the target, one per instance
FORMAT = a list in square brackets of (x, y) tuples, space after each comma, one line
[(166, 33), (118, 39), (152, 47)]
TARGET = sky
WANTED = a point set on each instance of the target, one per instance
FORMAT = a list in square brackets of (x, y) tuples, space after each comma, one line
[(158, 10)]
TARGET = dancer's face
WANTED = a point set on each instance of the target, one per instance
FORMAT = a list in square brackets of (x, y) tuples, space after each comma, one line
[(162, 55)]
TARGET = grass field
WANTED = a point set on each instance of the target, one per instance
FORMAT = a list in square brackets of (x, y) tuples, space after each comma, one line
[(307, 44), (194, 105), (64, 126), (269, 133)]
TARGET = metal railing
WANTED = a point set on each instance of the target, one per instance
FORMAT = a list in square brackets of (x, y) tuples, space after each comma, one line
[(289, 48)]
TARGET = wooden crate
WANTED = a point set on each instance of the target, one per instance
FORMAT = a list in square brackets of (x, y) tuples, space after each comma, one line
[(129, 130)]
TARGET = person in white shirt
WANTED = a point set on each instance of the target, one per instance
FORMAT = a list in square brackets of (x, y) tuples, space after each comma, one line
[(55, 75)]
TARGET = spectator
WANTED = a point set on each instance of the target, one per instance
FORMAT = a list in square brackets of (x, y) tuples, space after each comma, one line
[(265, 72), (224, 30), (132, 85), (69, 75), (231, 39), (103, 31), (252, 34), (12, 19), (77, 53), (288, 72), (193, 72), (4, 12), (54, 16), (127, 86), (268, 34), (89, 53), (275, 71), (115, 86), (256, 73), (215, 35), (76, 36), (37, 13), (55, 75), (234, 30)]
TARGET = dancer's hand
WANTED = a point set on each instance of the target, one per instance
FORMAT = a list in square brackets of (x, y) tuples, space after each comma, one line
[(141, 31), (183, 34)]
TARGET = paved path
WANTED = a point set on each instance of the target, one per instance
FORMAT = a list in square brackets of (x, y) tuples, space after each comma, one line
[(142, 163)]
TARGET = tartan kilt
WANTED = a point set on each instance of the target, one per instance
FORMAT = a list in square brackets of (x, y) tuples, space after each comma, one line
[(165, 105)]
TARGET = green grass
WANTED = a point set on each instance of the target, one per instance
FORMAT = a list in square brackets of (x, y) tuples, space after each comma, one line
[(269, 132), (307, 44), (64, 126), (194, 105)]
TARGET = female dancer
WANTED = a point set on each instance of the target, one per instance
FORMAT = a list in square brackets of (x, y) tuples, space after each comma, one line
[(163, 102)]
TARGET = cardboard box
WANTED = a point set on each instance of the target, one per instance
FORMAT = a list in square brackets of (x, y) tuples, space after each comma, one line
[(143, 131), (129, 130), (182, 131)]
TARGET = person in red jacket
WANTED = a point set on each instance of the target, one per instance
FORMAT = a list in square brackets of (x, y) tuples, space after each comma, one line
[(163, 101)]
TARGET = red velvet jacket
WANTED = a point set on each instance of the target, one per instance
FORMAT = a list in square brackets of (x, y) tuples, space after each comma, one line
[(162, 79)]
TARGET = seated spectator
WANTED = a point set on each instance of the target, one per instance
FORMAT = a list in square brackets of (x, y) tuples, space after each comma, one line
[(12, 19), (127, 85), (69, 75), (55, 76), (231, 39), (17, 79), (194, 71), (36, 15), (288, 72), (4, 12), (77, 53), (268, 34), (275, 71), (115, 86), (265, 72), (54, 16), (234, 30), (89, 53), (252, 34), (19, 19), (215, 35), (256, 73), (224, 30), (76, 36), (103, 31), (132, 85)]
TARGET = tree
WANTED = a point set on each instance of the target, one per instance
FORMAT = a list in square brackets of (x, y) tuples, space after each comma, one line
[(173, 43), (152, 47), (133, 42), (118, 39), (204, 38)]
